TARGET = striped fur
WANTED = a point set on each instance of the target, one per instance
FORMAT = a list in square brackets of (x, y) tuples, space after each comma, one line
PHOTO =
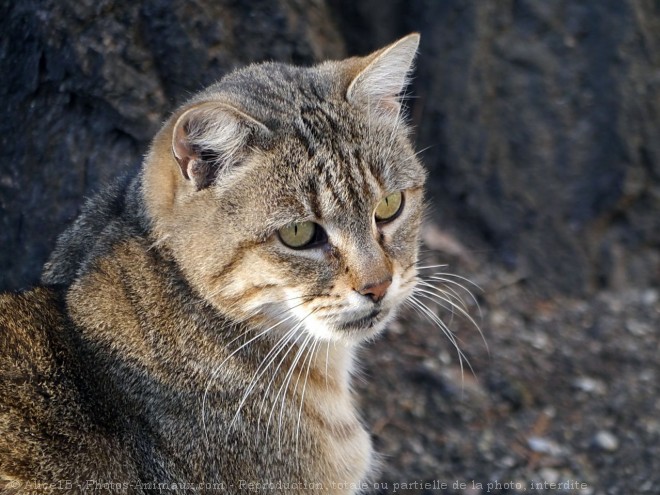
[(183, 335)]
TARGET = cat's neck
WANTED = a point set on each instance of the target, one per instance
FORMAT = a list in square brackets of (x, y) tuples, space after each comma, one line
[(335, 361)]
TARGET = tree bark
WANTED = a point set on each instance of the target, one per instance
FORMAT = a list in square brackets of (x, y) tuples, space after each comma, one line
[(539, 120)]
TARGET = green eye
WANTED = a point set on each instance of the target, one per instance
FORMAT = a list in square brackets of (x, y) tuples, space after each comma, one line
[(299, 235), (389, 207)]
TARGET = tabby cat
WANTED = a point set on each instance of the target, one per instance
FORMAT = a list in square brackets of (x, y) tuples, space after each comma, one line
[(197, 325)]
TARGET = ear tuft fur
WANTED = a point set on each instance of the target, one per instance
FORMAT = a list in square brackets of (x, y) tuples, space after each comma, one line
[(210, 138), (385, 75)]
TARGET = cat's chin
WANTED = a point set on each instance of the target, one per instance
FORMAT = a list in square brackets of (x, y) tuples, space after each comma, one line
[(351, 331)]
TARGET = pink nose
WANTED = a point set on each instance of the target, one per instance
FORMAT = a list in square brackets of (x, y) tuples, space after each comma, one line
[(376, 291)]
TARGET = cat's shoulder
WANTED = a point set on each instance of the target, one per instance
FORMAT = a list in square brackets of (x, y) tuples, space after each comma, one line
[(36, 364), (31, 392), (27, 321), (48, 423)]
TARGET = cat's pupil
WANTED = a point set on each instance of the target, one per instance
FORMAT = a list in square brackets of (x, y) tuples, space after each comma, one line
[(389, 207), (301, 235)]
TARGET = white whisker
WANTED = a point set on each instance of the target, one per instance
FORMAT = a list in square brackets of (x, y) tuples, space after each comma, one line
[(446, 302), (285, 387), (263, 367), (418, 153), (279, 364), (312, 356), (445, 329), (327, 358), (430, 267), (219, 367), (462, 310)]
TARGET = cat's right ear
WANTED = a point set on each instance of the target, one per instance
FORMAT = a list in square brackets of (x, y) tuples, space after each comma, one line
[(210, 138), (377, 80)]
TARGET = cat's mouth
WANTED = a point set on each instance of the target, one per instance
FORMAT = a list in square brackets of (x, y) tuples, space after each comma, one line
[(362, 323)]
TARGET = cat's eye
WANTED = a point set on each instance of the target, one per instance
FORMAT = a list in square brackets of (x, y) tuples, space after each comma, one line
[(302, 235), (389, 207)]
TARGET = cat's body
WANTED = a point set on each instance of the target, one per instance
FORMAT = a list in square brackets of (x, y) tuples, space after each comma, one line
[(192, 337)]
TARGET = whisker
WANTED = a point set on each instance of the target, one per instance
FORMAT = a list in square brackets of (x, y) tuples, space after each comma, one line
[(284, 382), (462, 309), (429, 267), (279, 365), (447, 286), (285, 387), (453, 297), (435, 297), (447, 274), (444, 280), (464, 313), (448, 333), (418, 153), (312, 356), (424, 311), (265, 364), (219, 367), (263, 367), (327, 358)]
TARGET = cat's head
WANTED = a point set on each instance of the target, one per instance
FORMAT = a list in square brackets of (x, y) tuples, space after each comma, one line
[(292, 197)]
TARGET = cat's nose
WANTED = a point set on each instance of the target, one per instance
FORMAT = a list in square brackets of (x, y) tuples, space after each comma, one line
[(376, 291)]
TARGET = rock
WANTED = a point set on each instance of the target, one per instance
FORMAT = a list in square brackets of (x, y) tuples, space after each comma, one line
[(550, 475), (542, 121), (544, 446), (650, 297), (590, 385), (637, 328), (606, 441)]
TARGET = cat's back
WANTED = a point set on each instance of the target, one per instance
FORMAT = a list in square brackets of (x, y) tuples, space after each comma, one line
[(47, 430)]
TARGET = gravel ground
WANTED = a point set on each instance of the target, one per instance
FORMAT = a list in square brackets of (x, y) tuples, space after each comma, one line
[(565, 397)]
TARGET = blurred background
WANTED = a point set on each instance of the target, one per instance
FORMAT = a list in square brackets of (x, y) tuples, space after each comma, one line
[(539, 121)]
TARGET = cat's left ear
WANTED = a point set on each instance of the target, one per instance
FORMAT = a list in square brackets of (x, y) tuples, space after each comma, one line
[(382, 76), (210, 138)]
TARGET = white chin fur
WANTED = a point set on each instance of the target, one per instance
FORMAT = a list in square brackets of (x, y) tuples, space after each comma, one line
[(323, 330)]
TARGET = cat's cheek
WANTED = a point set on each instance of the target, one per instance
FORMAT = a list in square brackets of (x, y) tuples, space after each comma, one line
[(401, 240), (313, 270), (400, 234)]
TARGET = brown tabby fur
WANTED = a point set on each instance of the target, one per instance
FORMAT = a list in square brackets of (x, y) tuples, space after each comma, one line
[(177, 344)]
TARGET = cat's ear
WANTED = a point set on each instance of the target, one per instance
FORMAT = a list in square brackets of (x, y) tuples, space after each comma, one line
[(382, 76), (209, 138)]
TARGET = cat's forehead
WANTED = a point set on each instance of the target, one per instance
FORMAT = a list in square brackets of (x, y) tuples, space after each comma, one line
[(273, 93), (339, 165), (340, 174), (326, 157)]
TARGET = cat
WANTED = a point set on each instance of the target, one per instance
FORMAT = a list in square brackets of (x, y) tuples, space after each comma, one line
[(197, 325)]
